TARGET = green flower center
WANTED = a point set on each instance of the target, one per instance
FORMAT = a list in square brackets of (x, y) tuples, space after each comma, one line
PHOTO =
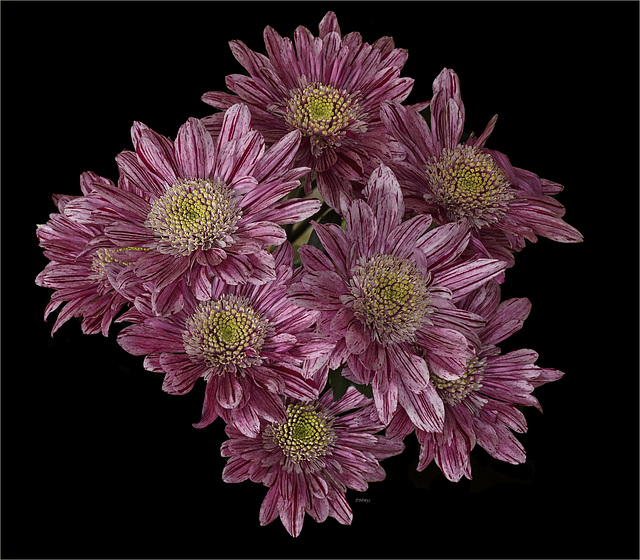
[(321, 112), (226, 333), (455, 391), (194, 214), (468, 183), (305, 435), (391, 297)]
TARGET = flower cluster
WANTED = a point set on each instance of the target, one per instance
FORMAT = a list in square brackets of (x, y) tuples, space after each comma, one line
[(207, 247)]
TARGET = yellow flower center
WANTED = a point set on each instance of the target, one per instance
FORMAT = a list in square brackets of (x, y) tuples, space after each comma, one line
[(468, 183), (455, 391), (322, 113), (226, 332), (305, 435), (391, 297), (194, 214)]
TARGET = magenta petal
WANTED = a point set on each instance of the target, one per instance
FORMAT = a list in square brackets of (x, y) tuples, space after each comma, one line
[(447, 109), (249, 150), (292, 510), (270, 508), (412, 369), (508, 319), (466, 276), (278, 157), (296, 385), (361, 226), (194, 150), (386, 400), (426, 409), (237, 469), (264, 233), (244, 419), (357, 338), (235, 269), (236, 123), (329, 24), (143, 178), (268, 405), (209, 410), (385, 199), (290, 211), (325, 284), (156, 152), (262, 264), (405, 238), (229, 391), (400, 425), (444, 244), (314, 259), (182, 373), (335, 242), (546, 223), (142, 339), (340, 509)]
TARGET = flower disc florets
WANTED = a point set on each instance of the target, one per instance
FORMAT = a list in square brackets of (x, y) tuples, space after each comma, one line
[(226, 333), (194, 214), (469, 184), (391, 297), (306, 435), (321, 112), (454, 391)]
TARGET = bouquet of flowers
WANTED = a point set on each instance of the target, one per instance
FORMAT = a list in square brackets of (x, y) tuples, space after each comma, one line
[(327, 259)]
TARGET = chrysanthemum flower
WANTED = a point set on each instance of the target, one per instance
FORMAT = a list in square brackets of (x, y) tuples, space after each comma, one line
[(452, 180), (248, 342), (386, 290), (203, 209), (481, 407), (81, 259), (309, 459), (329, 88)]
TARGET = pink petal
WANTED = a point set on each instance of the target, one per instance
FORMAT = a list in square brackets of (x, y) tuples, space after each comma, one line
[(156, 152), (235, 124), (236, 470), (444, 244), (229, 391), (411, 368), (361, 226), (508, 319), (386, 401), (385, 199), (426, 409), (148, 339), (447, 109), (194, 150), (270, 508), (465, 277)]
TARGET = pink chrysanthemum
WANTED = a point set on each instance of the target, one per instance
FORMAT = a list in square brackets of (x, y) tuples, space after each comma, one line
[(204, 209), (386, 290), (309, 459), (249, 343), (501, 204), (481, 406), (81, 261), (330, 88)]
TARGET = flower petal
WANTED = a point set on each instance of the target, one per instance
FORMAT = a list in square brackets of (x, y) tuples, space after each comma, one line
[(194, 150)]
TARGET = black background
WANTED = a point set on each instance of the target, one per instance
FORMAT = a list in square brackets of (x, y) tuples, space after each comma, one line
[(98, 462)]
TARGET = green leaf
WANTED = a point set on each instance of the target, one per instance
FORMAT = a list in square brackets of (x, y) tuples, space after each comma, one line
[(366, 390), (339, 384)]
